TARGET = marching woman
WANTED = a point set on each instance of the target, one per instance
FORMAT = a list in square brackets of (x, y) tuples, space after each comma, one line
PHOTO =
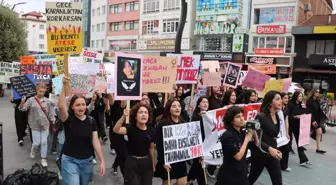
[(266, 154), (229, 97), (81, 140), (234, 144), (178, 171), (196, 170), (248, 96), (139, 166)]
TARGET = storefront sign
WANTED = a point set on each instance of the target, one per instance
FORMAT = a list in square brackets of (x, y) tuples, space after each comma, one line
[(277, 15), (261, 60), (265, 68), (217, 56), (325, 29), (269, 51), (161, 44), (322, 60), (272, 29)]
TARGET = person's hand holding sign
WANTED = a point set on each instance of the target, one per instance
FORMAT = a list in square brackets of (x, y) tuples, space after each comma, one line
[(66, 81), (167, 167)]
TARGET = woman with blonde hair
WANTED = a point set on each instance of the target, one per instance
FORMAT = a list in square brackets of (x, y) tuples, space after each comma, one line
[(40, 115)]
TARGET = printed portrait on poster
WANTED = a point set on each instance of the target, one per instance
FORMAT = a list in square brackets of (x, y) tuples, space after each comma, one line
[(128, 77), (231, 77)]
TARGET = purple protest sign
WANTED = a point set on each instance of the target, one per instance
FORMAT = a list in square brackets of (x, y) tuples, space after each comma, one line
[(255, 79)]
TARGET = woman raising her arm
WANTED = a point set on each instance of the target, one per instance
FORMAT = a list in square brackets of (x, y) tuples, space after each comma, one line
[(81, 141)]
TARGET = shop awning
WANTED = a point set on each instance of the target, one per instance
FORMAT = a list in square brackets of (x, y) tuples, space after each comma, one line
[(314, 70)]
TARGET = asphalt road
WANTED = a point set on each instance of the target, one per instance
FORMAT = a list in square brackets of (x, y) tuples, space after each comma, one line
[(323, 170)]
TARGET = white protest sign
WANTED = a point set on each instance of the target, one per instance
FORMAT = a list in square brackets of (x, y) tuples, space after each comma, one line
[(182, 142), (8, 70), (72, 63), (82, 84), (109, 68), (90, 56), (85, 69), (282, 137), (241, 78)]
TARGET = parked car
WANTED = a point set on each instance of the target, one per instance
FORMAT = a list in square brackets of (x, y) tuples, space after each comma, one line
[(295, 87)]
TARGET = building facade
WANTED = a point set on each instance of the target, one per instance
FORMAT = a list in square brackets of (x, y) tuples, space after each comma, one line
[(99, 13), (221, 29), (159, 20), (122, 25), (315, 45), (86, 20), (271, 45), (36, 29)]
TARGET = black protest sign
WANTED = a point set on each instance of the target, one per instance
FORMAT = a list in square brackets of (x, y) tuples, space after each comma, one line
[(23, 86), (232, 75), (182, 142), (42, 73)]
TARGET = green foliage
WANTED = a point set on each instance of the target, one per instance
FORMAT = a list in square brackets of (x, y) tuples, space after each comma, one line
[(13, 36), (106, 60)]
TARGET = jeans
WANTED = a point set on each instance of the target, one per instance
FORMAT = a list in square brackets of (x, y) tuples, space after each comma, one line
[(76, 171), (40, 138), (61, 137)]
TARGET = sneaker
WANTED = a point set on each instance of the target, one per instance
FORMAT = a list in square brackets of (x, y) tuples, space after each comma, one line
[(113, 152), (321, 151), (32, 153), (212, 176), (21, 143), (305, 164), (44, 162), (54, 152), (105, 139), (288, 169), (94, 161), (115, 171)]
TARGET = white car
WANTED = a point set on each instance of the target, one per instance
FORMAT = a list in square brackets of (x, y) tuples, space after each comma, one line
[(295, 87)]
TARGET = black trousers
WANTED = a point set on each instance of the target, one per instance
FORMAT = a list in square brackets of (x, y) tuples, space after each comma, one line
[(259, 162), (196, 172), (285, 156), (100, 125), (290, 130), (21, 123), (54, 142), (138, 171), (211, 169), (120, 147), (296, 131)]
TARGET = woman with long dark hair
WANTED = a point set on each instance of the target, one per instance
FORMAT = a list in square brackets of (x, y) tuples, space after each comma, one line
[(295, 111), (314, 108), (139, 166), (234, 142), (181, 95), (196, 170), (178, 171), (81, 141), (229, 97), (266, 154), (248, 96), (285, 148)]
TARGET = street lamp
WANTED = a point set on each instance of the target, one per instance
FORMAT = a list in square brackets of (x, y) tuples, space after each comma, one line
[(18, 4), (183, 17)]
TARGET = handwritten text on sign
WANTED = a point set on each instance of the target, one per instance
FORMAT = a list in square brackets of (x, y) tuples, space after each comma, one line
[(187, 68), (42, 73), (182, 142), (92, 56), (22, 86), (158, 74)]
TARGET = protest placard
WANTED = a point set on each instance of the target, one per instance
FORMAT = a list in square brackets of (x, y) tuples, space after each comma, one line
[(187, 68), (85, 69), (211, 79), (128, 76), (182, 142), (72, 64), (242, 75), (64, 27), (28, 60), (210, 65), (275, 85), (282, 138), (45, 59), (286, 84), (90, 56), (58, 82), (101, 84), (305, 124), (60, 64), (255, 79), (42, 73), (158, 74), (232, 75), (110, 77), (82, 84), (8, 70), (23, 86)]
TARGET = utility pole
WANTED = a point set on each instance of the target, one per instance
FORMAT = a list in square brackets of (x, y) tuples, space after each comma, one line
[(183, 17)]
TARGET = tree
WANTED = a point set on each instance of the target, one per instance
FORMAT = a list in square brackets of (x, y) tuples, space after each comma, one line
[(13, 34)]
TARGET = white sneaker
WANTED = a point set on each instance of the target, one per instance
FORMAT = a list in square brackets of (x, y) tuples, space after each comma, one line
[(94, 161), (288, 169), (44, 162), (113, 152), (32, 153)]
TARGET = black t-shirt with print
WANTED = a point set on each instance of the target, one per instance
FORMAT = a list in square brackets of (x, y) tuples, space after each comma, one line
[(78, 137), (139, 140)]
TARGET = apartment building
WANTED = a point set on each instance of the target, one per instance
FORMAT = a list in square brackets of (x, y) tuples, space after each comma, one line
[(99, 12), (86, 20)]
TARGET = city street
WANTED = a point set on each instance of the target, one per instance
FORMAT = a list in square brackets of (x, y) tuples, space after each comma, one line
[(321, 172)]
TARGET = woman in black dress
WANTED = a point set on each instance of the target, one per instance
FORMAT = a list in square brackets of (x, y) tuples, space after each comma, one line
[(178, 171), (234, 144)]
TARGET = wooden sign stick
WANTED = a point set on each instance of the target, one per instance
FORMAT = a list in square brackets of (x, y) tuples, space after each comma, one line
[(66, 73), (192, 95), (128, 107)]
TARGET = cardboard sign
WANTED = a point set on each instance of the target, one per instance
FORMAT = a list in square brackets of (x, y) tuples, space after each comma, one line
[(275, 85), (8, 70), (255, 79), (82, 84), (42, 73), (92, 56), (182, 142), (242, 75), (110, 77), (210, 65), (187, 68), (47, 60), (27, 60), (23, 86), (58, 82), (212, 79), (158, 74), (60, 64), (64, 27), (232, 75), (85, 69), (305, 125), (72, 64)]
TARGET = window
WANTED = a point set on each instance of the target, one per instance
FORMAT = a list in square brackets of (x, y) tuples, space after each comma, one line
[(97, 43), (103, 10), (216, 43), (150, 27), (289, 41), (131, 25), (132, 6), (41, 36), (256, 16), (93, 12), (116, 8), (170, 25), (273, 42), (41, 46), (151, 6), (41, 26), (103, 27), (326, 47), (92, 28), (255, 43), (98, 11), (102, 43), (98, 27), (171, 5), (92, 43), (116, 26)]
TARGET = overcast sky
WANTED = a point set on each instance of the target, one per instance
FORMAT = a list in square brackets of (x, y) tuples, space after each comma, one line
[(39, 5)]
